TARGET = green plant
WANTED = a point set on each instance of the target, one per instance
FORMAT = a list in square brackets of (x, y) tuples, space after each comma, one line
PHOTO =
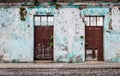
[(81, 37), (51, 44), (51, 38), (56, 4), (23, 13), (36, 3), (51, 41), (82, 7)]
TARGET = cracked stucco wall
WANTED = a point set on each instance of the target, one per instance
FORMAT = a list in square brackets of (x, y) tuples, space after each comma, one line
[(65, 36), (112, 37), (17, 38), (68, 28), (111, 42)]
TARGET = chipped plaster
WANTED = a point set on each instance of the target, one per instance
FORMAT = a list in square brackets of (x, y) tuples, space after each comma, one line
[(17, 39)]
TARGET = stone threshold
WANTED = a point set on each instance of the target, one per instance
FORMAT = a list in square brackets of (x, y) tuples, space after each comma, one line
[(44, 61)]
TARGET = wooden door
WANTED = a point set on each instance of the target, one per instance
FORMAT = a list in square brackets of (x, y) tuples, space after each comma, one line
[(43, 42), (94, 43)]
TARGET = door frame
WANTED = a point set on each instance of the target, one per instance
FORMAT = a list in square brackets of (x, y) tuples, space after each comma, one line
[(85, 34), (34, 39)]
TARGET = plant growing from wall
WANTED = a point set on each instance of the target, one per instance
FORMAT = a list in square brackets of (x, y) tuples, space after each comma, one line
[(81, 37), (82, 7), (51, 41), (51, 44), (51, 38), (36, 3), (23, 13), (56, 4)]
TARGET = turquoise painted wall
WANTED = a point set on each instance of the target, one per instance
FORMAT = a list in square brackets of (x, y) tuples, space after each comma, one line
[(111, 31), (17, 38), (112, 36)]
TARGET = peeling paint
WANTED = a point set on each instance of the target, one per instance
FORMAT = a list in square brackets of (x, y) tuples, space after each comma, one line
[(67, 23), (17, 37), (111, 38)]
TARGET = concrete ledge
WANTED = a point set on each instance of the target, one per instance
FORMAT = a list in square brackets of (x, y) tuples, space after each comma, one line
[(61, 65)]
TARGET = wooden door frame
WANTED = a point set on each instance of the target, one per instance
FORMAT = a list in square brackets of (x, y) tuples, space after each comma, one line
[(34, 39), (102, 32)]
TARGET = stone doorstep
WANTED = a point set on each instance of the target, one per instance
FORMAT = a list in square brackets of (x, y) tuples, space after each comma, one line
[(95, 62), (44, 61), (61, 65)]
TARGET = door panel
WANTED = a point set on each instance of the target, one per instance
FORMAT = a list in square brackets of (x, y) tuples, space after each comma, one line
[(89, 37), (42, 41), (94, 41)]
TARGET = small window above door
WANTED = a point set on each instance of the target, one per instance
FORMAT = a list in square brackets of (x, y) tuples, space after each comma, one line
[(94, 20), (43, 20), (99, 21)]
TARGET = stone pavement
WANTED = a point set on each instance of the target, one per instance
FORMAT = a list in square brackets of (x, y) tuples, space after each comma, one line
[(61, 65), (60, 69)]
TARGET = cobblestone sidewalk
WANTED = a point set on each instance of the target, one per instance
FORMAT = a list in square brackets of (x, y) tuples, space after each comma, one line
[(59, 72)]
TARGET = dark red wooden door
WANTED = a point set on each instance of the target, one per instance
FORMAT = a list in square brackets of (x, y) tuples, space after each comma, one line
[(94, 43), (43, 42)]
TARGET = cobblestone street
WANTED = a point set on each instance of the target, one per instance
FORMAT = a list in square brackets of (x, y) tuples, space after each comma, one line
[(59, 72)]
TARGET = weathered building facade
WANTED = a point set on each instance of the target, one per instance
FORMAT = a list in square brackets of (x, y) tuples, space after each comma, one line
[(60, 32)]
